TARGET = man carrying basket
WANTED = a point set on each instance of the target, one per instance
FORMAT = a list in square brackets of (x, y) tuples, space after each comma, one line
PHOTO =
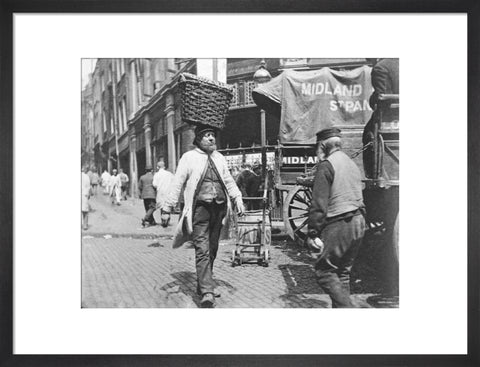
[(209, 192)]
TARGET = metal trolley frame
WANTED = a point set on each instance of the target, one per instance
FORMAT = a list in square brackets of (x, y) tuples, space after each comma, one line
[(257, 251)]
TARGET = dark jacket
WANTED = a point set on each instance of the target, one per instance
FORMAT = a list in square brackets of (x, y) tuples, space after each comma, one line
[(384, 79), (248, 182), (145, 186)]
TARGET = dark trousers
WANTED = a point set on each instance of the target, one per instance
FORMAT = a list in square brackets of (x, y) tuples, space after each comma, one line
[(342, 240), (207, 223), (150, 206), (124, 192)]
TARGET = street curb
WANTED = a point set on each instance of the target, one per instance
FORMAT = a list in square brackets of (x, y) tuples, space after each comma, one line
[(148, 236), (139, 236)]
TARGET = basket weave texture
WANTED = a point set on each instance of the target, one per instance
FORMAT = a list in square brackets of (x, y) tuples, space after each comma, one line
[(204, 101)]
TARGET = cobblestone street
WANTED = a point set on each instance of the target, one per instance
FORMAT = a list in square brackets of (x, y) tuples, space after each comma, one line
[(124, 265)]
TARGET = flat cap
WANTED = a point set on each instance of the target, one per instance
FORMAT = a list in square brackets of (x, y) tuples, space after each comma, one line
[(328, 133), (201, 129)]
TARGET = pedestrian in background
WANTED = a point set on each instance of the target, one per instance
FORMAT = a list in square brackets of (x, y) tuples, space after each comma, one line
[(94, 181), (89, 174), (115, 188), (106, 182), (209, 189), (162, 181), (148, 194), (124, 183), (336, 223), (235, 171), (248, 183), (85, 197)]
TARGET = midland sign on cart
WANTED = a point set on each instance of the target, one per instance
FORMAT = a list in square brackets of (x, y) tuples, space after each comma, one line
[(316, 99)]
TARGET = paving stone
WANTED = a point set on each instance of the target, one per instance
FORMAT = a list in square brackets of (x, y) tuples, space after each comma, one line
[(131, 271)]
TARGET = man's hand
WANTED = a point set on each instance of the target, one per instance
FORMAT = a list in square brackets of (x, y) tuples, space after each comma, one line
[(165, 218), (240, 208), (315, 245)]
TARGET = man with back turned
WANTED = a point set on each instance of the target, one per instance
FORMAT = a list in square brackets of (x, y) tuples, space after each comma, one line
[(336, 223)]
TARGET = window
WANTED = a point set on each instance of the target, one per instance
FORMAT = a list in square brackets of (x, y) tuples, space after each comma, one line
[(172, 66), (120, 118), (122, 66), (122, 115), (124, 112), (104, 121), (249, 87), (164, 126), (117, 67), (147, 85), (235, 101)]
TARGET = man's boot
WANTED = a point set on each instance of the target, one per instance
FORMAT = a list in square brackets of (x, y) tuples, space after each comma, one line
[(208, 301), (216, 293)]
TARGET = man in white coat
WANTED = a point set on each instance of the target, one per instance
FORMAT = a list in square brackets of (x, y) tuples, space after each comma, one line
[(209, 192), (106, 182), (115, 188), (162, 181)]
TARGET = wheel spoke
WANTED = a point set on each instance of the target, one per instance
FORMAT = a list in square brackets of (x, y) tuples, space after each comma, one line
[(302, 200), (300, 226), (298, 208), (298, 216), (308, 194)]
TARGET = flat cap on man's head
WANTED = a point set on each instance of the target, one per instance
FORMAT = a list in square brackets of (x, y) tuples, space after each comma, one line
[(202, 129), (328, 133)]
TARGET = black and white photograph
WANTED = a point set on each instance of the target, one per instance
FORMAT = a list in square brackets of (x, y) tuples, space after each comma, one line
[(249, 163), (240, 183)]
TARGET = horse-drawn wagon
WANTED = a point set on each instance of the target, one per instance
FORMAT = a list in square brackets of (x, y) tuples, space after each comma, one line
[(308, 101)]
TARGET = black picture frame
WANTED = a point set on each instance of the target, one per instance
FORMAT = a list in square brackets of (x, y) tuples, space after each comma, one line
[(8, 8)]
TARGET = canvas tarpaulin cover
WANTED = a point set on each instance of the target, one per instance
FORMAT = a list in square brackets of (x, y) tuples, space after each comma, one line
[(309, 101)]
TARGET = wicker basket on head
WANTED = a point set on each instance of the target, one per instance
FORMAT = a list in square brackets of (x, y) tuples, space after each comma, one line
[(204, 101)]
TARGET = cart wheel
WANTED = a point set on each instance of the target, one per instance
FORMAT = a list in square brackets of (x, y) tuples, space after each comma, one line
[(295, 212)]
